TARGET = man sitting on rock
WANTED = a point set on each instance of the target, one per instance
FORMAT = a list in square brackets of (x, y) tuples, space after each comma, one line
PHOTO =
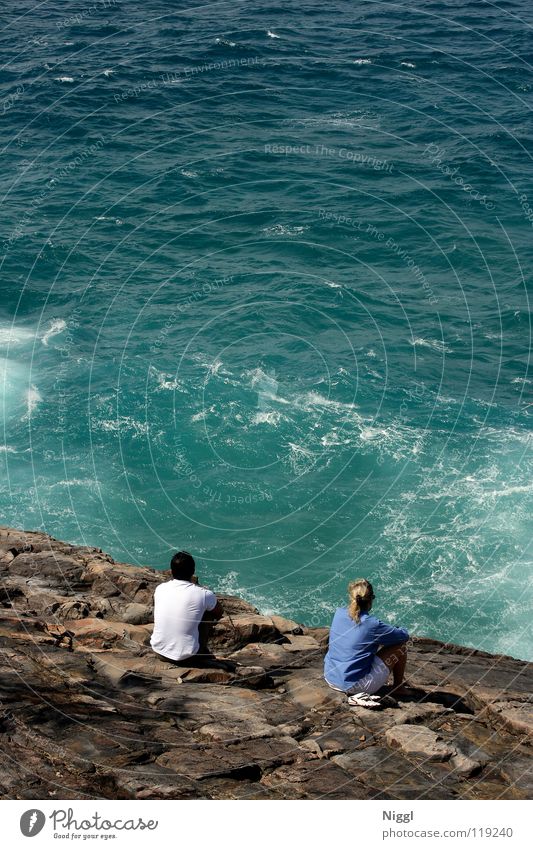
[(183, 614)]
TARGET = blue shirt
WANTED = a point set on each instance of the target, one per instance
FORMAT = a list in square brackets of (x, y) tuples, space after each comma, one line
[(352, 646)]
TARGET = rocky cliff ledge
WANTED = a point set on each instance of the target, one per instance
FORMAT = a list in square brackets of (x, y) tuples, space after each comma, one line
[(87, 710)]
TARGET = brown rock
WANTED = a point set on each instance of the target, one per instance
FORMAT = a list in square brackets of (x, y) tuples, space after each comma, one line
[(393, 774), (517, 716), (465, 766), (419, 741), (317, 779), (242, 759), (137, 614), (244, 628), (286, 626), (309, 690), (302, 643)]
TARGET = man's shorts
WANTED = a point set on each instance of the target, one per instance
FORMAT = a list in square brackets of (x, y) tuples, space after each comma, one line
[(369, 683)]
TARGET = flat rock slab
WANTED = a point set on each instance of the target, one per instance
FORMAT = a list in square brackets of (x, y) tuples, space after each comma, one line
[(518, 716), (419, 741), (393, 774), (286, 626), (316, 780), (249, 759)]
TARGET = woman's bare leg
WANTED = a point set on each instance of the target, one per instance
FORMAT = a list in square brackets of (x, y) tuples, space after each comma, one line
[(395, 657)]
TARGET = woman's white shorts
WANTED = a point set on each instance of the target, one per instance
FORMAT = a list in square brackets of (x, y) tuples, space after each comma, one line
[(371, 682)]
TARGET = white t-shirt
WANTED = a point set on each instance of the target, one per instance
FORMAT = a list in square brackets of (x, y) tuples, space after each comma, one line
[(178, 610)]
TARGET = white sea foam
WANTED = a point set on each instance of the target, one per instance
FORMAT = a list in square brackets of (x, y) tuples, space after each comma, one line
[(118, 221), (7, 449), (10, 335), (329, 440), (315, 399), (215, 367), (33, 397), (64, 79), (270, 417), (272, 34), (434, 344), (199, 417), (225, 42), (350, 120), (284, 230), (87, 483), (510, 490), (300, 458), (408, 64), (57, 326), (362, 61), (166, 382), (14, 377), (369, 433), (124, 425)]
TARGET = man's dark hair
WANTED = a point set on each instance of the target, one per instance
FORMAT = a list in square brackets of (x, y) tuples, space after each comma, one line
[(182, 566)]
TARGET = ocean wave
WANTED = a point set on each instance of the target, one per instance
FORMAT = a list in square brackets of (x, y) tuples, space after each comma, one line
[(284, 230), (33, 398), (200, 416), (270, 417), (56, 327), (301, 455), (87, 483), (166, 382), (332, 440), (122, 425), (312, 400), (434, 344), (10, 335)]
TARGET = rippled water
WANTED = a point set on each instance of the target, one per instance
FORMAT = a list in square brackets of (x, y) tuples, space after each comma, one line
[(265, 276)]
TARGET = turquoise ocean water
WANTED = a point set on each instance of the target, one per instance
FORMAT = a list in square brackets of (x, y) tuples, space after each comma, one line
[(264, 296)]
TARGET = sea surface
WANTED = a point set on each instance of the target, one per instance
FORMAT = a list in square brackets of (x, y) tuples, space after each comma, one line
[(264, 295)]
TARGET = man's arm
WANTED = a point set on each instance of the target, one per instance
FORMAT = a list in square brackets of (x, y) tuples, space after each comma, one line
[(218, 611), (213, 610)]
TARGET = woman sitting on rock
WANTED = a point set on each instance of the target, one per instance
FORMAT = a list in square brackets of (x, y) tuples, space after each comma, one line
[(363, 650)]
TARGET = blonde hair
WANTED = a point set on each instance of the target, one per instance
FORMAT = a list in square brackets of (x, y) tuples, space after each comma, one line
[(361, 595)]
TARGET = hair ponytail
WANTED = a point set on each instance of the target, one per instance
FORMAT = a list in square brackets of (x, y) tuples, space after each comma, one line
[(361, 595)]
